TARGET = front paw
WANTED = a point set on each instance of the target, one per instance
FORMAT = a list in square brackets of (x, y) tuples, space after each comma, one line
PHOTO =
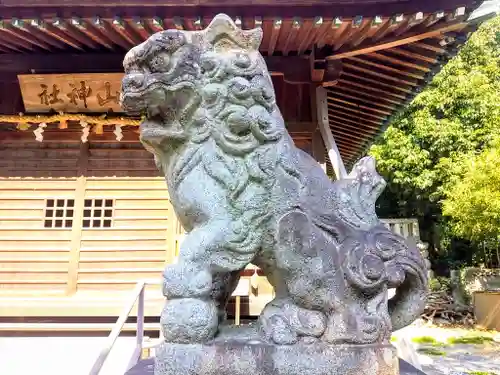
[(285, 323), (277, 330), (189, 320)]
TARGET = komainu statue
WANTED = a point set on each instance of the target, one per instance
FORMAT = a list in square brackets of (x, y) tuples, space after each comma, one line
[(245, 194)]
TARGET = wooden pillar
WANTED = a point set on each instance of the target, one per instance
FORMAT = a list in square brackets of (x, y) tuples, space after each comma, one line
[(326, 133), (318, 146), (76, 229), (318, 149)]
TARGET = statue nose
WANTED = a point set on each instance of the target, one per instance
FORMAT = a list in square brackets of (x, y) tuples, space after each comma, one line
[(133, 81)]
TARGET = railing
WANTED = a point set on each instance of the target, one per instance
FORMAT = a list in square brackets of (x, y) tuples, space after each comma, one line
[(137, 296), (404, 227)]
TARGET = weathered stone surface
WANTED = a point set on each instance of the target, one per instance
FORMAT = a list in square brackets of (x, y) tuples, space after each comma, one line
[(189, 315), (245, 193), (146, 367), (238, 356)]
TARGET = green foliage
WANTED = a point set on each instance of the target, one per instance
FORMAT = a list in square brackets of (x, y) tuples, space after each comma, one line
[(424, 340), (432, 144), (473, 200), (476, 340), (432, 351), (440, 284), (481, 373)]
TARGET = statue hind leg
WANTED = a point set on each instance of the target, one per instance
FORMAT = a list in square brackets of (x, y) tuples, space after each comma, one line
[(194, 287), (223, 285), (302, 265)]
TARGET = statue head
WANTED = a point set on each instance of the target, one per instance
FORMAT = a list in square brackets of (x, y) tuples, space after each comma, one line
[(191, 85)]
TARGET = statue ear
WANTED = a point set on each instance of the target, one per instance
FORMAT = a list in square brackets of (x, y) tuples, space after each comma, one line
[(295, 235)]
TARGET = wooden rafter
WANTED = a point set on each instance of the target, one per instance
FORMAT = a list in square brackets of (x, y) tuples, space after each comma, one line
[(375, 89), (392, 60), (363, 95), (354, 131), (404, 81), (342, 135), (357, 115), (274, 35), (370, 101), (379, 113), (376, 82), (360, 124), (387, 67), (427, 46), (413, 55), (398, 41)]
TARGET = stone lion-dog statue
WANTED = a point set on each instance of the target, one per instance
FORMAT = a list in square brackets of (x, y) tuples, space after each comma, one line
[(245, 194)]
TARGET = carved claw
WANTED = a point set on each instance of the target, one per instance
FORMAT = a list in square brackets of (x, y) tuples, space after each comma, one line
[(284, 323)]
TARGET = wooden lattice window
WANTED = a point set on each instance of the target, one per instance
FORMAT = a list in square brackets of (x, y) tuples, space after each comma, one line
[(98, 213), (59, 213)]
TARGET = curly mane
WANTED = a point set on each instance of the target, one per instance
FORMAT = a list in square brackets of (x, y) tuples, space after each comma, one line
[(218, 109)]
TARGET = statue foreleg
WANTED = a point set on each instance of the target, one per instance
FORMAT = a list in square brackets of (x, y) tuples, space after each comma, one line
[(194, 295)]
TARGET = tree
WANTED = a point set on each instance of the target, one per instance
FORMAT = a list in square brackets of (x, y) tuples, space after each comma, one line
[(425, 147), (472, 200)]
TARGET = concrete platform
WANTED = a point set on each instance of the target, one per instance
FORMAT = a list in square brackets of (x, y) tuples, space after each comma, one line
[(61, 355)]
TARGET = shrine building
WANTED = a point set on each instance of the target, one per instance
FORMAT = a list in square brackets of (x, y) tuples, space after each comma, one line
[(84, 213)]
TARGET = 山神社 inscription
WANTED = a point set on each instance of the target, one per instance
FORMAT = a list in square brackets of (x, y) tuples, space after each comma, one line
[(245, 193), (92, 92)]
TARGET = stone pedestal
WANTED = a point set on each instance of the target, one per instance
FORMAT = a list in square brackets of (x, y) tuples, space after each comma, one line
[(146, 367), (240, 352)]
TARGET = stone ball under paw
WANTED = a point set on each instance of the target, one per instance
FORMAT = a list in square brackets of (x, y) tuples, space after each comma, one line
[(186, 281), (189, 320)]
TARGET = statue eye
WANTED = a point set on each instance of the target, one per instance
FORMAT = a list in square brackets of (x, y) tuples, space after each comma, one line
[(159, 63)]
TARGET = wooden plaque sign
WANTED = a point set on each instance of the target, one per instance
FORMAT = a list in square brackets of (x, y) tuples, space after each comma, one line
[(71, 93)]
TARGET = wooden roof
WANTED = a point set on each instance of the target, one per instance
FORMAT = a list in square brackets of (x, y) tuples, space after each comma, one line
[(372, 57), (282, 35)]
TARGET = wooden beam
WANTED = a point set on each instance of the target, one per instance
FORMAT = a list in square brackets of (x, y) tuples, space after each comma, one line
[(76, 229), (365, 6), (277, 23), (318, 149), (326, 133), (318, 146), (397, 41), (294, 69)]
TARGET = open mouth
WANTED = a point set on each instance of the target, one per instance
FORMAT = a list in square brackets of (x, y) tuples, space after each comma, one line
[(134, 100)]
